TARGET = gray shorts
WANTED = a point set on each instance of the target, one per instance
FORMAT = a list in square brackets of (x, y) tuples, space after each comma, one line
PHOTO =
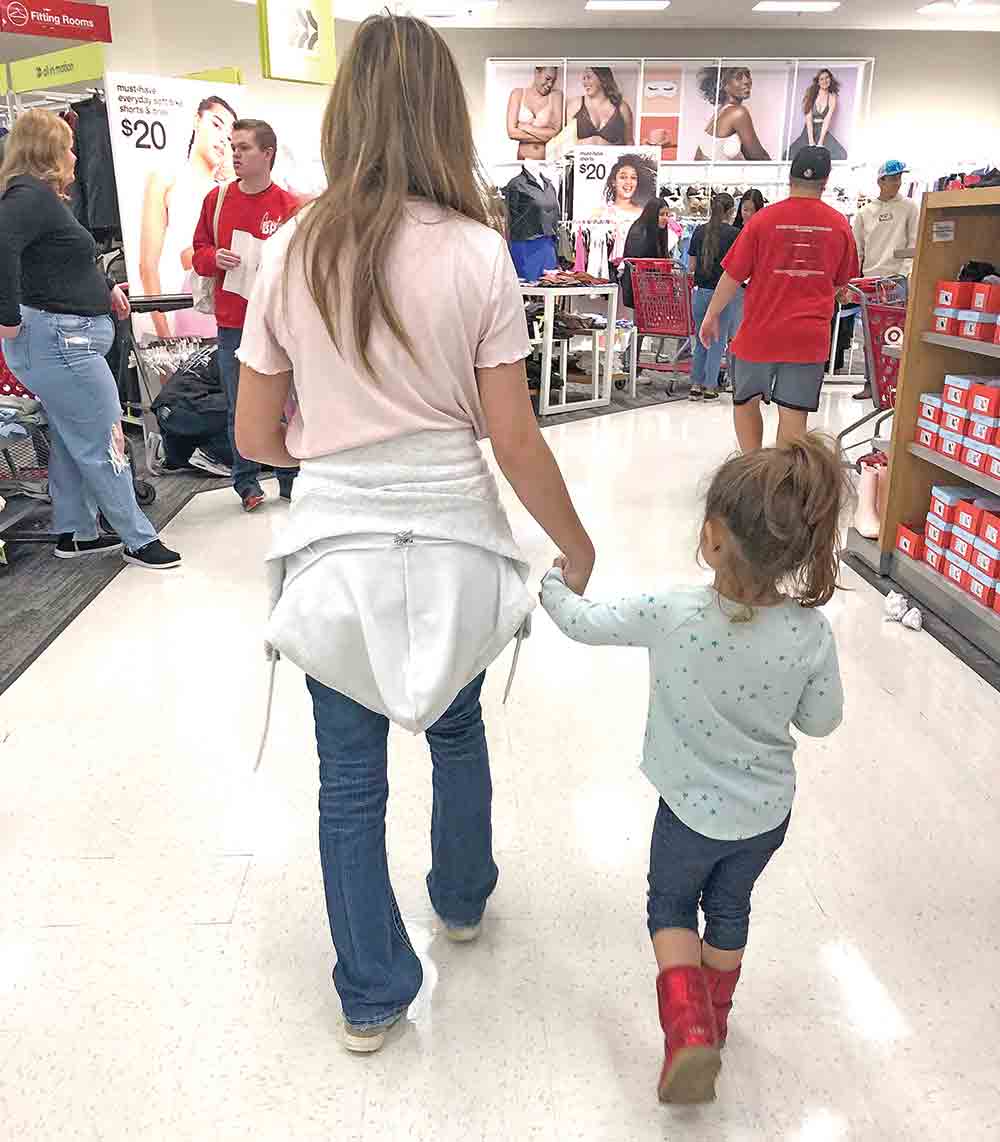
[(789, 385)]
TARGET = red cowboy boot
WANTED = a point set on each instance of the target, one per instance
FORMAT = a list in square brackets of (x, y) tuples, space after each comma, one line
[(690, 1039), (721, 985)]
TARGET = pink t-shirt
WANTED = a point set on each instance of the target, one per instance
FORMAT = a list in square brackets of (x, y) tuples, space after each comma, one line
[(456, 293)]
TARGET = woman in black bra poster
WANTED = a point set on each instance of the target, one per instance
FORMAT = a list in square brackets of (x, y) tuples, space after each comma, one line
[(601, 101)]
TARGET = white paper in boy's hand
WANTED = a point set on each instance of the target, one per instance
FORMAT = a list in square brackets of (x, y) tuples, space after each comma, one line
[(242, 278)]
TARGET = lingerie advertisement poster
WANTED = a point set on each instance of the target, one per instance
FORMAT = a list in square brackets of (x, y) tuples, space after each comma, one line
[(825, 104), (693, 111), (171, 144), (735, 112)]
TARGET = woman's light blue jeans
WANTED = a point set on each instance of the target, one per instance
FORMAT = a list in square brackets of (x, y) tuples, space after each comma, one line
[(707, 362), (60, 358), (378, 973)]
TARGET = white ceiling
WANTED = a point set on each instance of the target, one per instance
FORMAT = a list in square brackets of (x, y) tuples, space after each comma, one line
[(874, 14)]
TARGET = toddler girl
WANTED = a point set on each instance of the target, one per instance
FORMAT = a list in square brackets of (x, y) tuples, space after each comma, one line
[(732, 666)]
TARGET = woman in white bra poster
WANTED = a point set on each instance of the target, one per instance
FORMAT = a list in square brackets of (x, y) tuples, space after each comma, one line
[(730, 134), (535, 112)]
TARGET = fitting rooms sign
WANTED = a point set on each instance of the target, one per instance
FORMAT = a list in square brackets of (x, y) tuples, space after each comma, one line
[(60, 19)]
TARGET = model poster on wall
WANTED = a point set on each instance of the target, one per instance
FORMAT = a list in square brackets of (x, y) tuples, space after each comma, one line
[(742, 113), (524, 101), (613, 184), (694, 111), (601, 98), (170, 140), (824, 105)]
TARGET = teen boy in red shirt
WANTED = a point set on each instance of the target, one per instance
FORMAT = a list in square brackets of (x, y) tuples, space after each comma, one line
[(257, 206), (796, 255)]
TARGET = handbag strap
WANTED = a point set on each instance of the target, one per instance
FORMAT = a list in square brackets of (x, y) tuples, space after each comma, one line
[(218, 211)]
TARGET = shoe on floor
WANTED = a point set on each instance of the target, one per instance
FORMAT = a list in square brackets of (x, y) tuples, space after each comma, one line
[(696, 393), (70, 548), (721, 985), (205, 463), (154, 556), (461, 933), (865, 394), (710, 394), (691, 1044), (252, 499), (368, 1040)]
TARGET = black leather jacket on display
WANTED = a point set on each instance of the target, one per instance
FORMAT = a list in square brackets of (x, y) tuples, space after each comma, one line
[(532, 207)]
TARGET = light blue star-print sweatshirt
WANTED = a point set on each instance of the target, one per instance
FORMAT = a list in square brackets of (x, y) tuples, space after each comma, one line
[(722, 696)]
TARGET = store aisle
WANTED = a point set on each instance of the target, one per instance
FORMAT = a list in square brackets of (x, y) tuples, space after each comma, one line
[(164, 958)]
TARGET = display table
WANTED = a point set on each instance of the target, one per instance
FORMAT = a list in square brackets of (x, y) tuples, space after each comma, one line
[(601, 377)]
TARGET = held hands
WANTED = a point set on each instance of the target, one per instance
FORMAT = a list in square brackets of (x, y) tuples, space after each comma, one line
[(121, 307), (709, 331), (576, 571), (227, 260)]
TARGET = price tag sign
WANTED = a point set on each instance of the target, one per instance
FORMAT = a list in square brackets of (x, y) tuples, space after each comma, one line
[(613, 184), (146, 135), (943, 231)]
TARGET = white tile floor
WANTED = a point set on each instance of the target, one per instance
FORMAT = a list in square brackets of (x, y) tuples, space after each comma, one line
[(164, 957)]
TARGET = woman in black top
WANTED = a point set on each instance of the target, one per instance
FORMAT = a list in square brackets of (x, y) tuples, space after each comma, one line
[(647, 236), (750, 203), (709, 245), (55, 322)]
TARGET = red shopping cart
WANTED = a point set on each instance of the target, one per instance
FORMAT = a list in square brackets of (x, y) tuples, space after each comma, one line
[(662, 292), (883, 319)]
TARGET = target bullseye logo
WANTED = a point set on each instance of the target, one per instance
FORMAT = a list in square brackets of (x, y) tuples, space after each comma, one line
[(893, 336), (18, 15)]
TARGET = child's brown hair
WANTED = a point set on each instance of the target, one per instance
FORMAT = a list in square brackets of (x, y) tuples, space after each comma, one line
[(782, 507)]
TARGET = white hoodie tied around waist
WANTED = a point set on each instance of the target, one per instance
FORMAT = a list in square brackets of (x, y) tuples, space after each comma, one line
[(397, 580)]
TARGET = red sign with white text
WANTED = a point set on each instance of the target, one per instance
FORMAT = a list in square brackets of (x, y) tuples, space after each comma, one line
[(61, 19)]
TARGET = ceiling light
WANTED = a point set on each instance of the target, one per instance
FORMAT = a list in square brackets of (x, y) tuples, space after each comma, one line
[(946, 8), (627, 5), (796, 6)]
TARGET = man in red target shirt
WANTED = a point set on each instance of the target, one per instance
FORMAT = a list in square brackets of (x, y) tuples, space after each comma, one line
[(254, 207), (796, 255)]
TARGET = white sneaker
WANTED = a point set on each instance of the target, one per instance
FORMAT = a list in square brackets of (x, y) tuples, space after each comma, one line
[(463, 934), (368, 1040), (206, 463)]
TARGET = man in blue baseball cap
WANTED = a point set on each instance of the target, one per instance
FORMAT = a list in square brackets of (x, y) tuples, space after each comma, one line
[(885, 226)]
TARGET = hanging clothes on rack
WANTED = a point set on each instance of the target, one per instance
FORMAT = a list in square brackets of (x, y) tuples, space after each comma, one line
[(94, 194), (533, 217)]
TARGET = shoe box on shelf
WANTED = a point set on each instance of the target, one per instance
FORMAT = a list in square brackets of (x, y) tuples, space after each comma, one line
[(962, 422), (967, 309), (960, 540)]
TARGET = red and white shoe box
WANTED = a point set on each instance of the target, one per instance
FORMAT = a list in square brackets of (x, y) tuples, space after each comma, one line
[(954, 295), (910, 541), (950, 445), (985, 297), (945, 320), (976, 326), (984, 397), (982, 429), (934, 556), (945, 498), (930, 407)]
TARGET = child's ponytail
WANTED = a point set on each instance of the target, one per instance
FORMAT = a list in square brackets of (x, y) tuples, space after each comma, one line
[(782, 506)]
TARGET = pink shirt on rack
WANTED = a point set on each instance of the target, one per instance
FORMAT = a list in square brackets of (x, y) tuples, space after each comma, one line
[(456, 293)]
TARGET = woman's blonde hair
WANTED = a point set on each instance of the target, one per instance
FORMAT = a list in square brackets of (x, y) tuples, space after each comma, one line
[(38, 145), (396, 127)]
